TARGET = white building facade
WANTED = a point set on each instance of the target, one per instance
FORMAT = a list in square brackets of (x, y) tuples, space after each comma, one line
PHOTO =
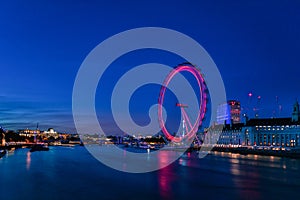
[(271, 132)]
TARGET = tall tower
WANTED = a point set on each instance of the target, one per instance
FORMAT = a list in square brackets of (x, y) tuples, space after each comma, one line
[(235, 111), (296, 113), (229, 112), (223, 114)]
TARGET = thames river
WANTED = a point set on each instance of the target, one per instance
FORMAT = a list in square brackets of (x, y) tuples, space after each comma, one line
[(72, 173)]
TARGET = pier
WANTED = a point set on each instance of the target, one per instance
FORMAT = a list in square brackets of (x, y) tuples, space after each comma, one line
[(16, 145)]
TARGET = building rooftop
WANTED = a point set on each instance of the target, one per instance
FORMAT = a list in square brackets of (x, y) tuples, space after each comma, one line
[(271, 122), (232, 127)]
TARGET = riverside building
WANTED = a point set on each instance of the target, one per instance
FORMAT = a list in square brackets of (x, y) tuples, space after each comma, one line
[(263, 132)]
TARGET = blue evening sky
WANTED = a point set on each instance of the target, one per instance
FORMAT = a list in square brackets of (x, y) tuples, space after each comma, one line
[(255, 44)]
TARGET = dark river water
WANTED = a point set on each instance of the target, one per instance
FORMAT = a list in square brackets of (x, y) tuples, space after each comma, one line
[(72, 173)]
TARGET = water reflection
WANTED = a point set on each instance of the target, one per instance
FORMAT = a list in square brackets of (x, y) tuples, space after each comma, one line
[(165, 181), (235, 170), (240, 169), (185, 160), (284, 166), (166, 176), (235, 161), (250, 172), (257, 160), (28, 160), (164, 158), (219, 176)]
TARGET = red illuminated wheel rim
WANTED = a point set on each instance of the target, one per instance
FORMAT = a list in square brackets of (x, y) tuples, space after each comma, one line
[(202, 106)]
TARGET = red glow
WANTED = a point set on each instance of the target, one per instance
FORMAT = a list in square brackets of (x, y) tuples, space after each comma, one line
[(181, 105), (165, 180), (202, 106)]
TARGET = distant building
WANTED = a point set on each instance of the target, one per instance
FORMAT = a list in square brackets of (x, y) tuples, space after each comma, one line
[(235, 111), (232, 134), (223, 114), (271, 132), (38, 133), (281, 132), (50, 133), (229, 112), (28, 133)]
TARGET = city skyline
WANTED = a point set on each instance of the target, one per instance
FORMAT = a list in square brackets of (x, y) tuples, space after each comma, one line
[(254, 44)]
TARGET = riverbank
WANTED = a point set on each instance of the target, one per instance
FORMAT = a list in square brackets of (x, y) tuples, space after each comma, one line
[(281, 152), (293, 153)]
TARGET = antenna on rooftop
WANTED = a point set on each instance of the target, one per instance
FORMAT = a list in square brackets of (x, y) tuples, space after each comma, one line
[(248, 107), (257, 107)]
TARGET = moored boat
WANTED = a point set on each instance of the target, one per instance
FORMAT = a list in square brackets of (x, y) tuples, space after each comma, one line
[(39, 147), (2, 153)]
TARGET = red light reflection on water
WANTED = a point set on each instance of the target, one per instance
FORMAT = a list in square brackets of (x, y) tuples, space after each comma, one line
[(165, 181), (164, 158), (165, 175), (28, 160)]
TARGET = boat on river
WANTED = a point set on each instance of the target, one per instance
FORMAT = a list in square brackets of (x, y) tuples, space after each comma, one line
[(2, 153), (39, 147)]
